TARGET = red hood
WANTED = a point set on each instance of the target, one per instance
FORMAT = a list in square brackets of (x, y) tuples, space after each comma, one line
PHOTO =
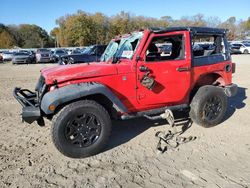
[(63, 73)]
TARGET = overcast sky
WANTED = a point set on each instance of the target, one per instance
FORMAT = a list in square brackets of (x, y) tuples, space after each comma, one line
[(45, 12)]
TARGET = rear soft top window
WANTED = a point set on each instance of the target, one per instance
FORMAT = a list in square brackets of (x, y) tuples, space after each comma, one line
[(209, 49)]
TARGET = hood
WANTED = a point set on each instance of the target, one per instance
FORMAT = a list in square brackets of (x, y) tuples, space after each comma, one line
[(76, 55), (77, 71), (43, 52), (21, 56)]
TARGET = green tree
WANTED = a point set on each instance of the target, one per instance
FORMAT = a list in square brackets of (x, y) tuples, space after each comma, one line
[(245, 28), (247, 24), (231, 25), (101, 28), (81, 28), (34, 36), (14, 30), (6, 39), (55, 34)]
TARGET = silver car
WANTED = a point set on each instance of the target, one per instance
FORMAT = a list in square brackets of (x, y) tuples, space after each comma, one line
[(23, 58), (7, 56)]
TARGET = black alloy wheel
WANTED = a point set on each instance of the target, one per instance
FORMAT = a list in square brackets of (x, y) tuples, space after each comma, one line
[(209, 105), (83, 130), (212, 108)]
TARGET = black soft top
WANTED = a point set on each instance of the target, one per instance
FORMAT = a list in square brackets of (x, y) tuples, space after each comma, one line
[(195, 30)]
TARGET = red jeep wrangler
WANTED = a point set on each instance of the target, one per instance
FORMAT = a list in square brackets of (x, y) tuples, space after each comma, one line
[(140, 75)]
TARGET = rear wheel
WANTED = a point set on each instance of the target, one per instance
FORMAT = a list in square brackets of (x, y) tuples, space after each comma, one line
[(81, 129), (246, 52), (208, 106)]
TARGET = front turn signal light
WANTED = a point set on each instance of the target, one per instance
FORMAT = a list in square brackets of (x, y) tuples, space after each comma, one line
[(52, 107)]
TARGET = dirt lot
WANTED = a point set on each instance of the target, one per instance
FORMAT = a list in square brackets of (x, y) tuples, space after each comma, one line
[(219, 157)]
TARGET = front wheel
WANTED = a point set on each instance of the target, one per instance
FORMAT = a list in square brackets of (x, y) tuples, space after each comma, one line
[(71, 61), (81, 129), (208, 106)]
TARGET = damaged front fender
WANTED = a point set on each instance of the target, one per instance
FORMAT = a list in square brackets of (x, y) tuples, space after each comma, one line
[(57, 97)]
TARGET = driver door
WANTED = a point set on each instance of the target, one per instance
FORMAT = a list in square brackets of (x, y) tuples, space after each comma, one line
[(170, 70)]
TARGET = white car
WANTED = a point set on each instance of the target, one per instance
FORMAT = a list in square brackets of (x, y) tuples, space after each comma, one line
[(244, 47), (7, 56)]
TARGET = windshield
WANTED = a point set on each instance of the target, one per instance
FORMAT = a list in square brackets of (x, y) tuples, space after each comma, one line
[(21, 53), (76, 52), (7, 53), (122, 49), (110, 50), (60, 52), (247, 44), (43, 51), (88, 50)]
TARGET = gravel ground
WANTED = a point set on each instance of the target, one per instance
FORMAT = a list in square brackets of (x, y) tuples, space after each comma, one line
[(219, 157)]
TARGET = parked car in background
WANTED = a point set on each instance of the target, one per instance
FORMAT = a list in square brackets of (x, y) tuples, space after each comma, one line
[(1, 58), (23, 57), (246, 41), (166, 49), (7, 56), (90, 54), (55, 55), (43, 55), (234, 49), (76, 51), (244, 47)]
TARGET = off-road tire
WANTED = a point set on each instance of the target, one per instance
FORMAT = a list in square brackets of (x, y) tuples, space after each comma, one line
[(246, 52), (200, 103), (66, 114)]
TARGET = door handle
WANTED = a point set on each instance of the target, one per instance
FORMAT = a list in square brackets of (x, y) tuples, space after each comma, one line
[(183, 69), (143, 68)]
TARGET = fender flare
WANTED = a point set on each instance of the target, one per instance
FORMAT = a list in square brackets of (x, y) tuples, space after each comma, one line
[(77, 91)]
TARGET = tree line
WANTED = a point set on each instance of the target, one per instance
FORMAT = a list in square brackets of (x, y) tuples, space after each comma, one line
[(83, 29), (24, 36)]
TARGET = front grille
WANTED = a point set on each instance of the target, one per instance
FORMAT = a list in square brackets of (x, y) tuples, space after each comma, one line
[(21, 59), (45, 55)]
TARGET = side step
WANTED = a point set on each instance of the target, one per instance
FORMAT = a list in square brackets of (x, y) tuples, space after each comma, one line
[(154, 114)]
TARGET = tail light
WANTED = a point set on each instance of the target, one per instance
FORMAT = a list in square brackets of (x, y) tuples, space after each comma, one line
[(233, 67)]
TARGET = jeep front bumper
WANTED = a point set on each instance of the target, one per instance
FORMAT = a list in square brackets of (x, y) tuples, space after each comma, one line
[(31, 111), (231, 90)]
